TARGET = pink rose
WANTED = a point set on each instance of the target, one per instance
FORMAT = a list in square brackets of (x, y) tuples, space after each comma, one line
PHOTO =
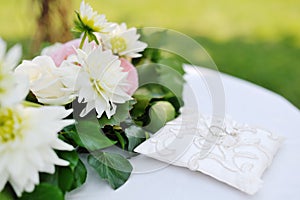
[(132, 77), (64, 51)]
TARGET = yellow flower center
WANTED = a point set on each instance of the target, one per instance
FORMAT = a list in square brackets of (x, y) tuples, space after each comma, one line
[(9, 125), (97, 86), (91, 24), (118, 44)]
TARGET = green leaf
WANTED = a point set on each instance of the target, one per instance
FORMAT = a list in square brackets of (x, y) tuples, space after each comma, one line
[(160, 113), (155, 38), (136, 135), (62, 178), (120, 139), (71, 156), (70, 133), (91, 136), (158, 81), (121, 114), (50, 178), (149, 92), (80, 175), (7, 193), (5, 196), (92, 37), (174, 63), (172, 80), (143, 96), (79, 25), (65, 178), (147, 74), (44, 191), (111, 167), (140, 107)]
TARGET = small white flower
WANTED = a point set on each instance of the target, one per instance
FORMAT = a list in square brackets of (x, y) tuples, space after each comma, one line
[(13, 86), (50, 84), (101, 82), (90, 18), (28, 137), (124, 42)]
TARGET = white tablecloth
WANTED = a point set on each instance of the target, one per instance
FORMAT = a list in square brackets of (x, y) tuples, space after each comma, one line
[(245, 103)]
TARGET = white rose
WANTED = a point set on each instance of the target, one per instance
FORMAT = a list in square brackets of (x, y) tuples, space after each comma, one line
[(50, 85)]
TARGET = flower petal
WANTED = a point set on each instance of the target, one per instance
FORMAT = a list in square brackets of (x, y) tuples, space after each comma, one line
[(13, 56)]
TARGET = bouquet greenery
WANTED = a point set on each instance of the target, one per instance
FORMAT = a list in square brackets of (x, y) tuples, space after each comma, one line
[(89, 101)]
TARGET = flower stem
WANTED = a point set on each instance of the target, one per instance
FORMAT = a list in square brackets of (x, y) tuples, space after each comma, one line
[(82, 40)]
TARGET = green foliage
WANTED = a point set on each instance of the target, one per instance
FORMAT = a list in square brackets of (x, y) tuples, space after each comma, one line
[(87, 134), (273, 65), (121, 139), (160, 80), (121, 114), (70, 135), (5, 196), (113, 168), (79, 175), (44, 191), (65, 178), (160, 113), (136, 135), (92, 136), (69, 177), (7, 193), (71, 156)]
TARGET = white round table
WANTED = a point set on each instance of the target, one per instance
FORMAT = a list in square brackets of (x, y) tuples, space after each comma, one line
[(245, 103)]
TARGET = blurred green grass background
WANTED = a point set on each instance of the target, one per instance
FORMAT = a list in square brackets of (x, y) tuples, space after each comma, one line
[(255, 40)]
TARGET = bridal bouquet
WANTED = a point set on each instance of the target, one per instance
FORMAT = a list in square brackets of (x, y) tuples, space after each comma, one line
[(89, 101)]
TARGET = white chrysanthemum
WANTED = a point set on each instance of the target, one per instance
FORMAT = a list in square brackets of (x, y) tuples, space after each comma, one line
[(101, 82), (13, 87), (27, 139), (50, 84), (124, 42), (96, 22)]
